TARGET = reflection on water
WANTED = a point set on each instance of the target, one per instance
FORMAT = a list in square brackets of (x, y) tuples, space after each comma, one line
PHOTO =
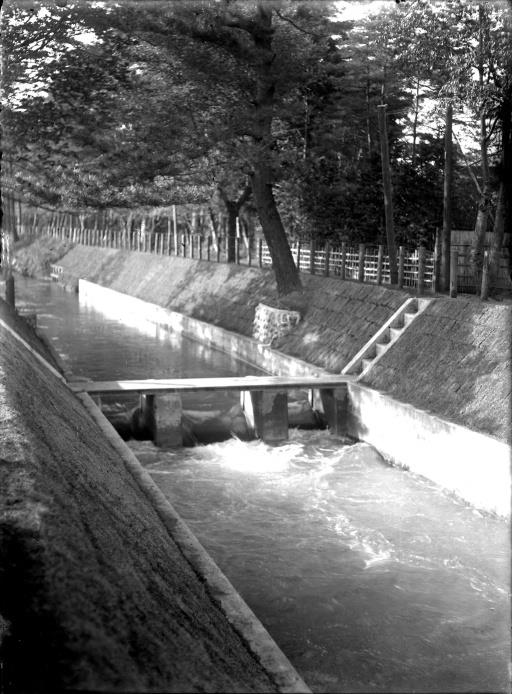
[(368, 577), (93, 343)]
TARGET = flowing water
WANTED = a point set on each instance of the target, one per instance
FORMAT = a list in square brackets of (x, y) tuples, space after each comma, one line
[(369, 578)]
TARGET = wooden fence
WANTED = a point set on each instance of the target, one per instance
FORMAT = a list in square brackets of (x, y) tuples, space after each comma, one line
[(363, 263)]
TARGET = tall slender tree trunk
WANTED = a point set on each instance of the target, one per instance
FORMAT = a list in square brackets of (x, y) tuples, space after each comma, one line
[(368, 112), (484, 206), (506, 173), (497, 240), (415, 122), (305, 148), (388, 195), (446, 234), (232, 210)]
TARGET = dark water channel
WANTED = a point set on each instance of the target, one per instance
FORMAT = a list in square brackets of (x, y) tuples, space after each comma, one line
[(369, 578)]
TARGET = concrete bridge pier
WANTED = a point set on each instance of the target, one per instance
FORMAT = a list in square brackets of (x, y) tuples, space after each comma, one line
[(335, 406), (161, 415), (266, 412)]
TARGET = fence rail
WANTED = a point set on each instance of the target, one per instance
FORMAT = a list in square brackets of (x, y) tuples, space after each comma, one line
[(416, 270)]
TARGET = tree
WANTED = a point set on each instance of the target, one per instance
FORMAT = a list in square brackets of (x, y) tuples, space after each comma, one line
[(257, 54)]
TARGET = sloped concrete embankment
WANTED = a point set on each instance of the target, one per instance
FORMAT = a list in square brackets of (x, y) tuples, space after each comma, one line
[(95, 593), (338, 320), (454, 361)]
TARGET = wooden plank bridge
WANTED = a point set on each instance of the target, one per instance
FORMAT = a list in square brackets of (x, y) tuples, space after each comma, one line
[(264, 400)]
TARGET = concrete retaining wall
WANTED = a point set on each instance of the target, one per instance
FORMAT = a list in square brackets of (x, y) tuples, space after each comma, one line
[(136, 312), (473, 466), (467, 463), (95, 592), (338, 320)]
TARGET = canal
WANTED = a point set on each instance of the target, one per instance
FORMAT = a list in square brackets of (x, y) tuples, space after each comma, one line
[(369, 578)]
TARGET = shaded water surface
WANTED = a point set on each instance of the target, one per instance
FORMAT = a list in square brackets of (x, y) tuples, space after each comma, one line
[(368, 577)]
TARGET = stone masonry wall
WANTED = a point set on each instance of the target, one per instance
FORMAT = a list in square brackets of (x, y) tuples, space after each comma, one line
[(94, 593), (454, 361), (341, 318)]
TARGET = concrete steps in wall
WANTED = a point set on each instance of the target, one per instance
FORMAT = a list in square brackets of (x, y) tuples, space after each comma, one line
[(385, 337)]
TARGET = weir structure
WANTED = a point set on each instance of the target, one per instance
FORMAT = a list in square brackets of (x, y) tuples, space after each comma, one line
[(264, 400)]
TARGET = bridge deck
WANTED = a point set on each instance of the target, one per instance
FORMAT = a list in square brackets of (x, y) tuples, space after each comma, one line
[(182, 385)]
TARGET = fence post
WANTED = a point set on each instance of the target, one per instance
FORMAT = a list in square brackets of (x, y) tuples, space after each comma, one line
[(219, 241), (208, 248), (260, 252), (327, 258), (401, 267), (298, 255), (312, 252), (421, 270), (454, 267), (380, 258), (343, 260), (360, 270), (249, 251), (200, 247), (237, 250)]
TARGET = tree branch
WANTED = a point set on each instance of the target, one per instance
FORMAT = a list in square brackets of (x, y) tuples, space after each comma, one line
[(299, 28)]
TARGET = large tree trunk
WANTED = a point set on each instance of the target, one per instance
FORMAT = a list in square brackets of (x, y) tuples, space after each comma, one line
[(286, 273), (287, 276), (233, 208), (446, 235)]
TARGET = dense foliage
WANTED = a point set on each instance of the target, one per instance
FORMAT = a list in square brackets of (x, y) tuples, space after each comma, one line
[(238, 104)]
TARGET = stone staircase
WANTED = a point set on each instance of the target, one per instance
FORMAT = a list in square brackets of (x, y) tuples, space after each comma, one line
[(387, 335)]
